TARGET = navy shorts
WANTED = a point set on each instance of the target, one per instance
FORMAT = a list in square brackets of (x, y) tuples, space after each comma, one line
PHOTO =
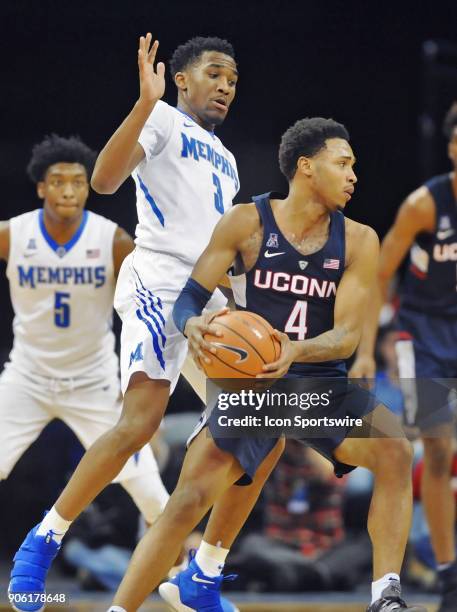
[(427, 366), (348, 400)]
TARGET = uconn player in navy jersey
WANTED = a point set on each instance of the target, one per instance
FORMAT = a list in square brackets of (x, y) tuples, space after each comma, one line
[(426, 225), (309, 271), (185, 178)]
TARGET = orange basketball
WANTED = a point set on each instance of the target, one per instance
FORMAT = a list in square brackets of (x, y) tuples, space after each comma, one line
[(246, 345)]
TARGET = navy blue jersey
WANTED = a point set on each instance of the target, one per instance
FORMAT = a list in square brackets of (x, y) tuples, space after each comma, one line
[(295, 293), (430, 283)]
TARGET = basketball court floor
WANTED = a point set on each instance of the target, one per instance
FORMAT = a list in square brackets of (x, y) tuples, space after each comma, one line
[(84, 601), (332, 602)]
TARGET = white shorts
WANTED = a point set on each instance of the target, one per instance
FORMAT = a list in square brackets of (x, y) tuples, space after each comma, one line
[(29, 403), (147, 288)]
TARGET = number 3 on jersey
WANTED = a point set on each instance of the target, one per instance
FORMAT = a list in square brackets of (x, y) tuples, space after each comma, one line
[(218, 199), (61, 309), (296, 323)]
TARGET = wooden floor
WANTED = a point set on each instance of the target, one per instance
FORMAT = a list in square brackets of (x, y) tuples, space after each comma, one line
[(247, 607)]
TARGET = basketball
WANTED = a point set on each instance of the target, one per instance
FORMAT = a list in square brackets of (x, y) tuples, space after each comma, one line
[(246, 345)]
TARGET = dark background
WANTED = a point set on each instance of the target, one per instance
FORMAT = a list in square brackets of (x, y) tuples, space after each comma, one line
[(70, 67)]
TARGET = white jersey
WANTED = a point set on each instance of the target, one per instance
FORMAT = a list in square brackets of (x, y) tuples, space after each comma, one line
[(62, 298), (185, 183)]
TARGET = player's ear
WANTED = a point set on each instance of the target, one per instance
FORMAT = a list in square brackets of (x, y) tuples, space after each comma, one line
[(40, 189), (304, 166), (181, 81)]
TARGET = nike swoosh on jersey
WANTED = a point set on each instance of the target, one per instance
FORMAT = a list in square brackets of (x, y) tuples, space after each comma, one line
[(29, 254), (442, 235), (268, 254), (195, 578), (188, 124)]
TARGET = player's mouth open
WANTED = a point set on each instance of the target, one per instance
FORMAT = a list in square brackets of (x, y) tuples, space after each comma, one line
[(220, 104)]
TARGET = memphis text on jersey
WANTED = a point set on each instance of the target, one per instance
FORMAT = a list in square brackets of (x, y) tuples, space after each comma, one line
[(192, 147), (30, 276)]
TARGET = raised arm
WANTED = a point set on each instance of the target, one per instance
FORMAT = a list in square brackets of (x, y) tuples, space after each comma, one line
[(123, 245), (351, 302), (122, 153), (4, 239), (416, 214)]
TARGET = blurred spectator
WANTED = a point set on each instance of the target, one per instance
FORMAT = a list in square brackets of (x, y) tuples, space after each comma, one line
[(303, 544)]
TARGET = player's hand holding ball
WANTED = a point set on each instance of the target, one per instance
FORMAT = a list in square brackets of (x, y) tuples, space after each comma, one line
[(195, 330), (289, 354)]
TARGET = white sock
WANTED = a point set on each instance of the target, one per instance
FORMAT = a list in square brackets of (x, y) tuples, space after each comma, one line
[(210, 559), (117, 609), (378, 587), (55, 523), (444, 566)]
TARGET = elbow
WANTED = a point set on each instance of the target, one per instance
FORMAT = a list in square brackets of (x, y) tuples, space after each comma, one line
[(347, 351), (102, 184), (348, 345)]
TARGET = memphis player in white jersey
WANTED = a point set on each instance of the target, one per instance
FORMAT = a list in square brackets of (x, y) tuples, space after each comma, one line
[(63, 261), (185, 180)]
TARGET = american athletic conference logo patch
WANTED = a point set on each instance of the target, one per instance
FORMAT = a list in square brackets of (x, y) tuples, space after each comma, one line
[(272, 242)]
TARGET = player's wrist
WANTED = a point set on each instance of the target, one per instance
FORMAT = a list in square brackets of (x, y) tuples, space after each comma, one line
[(145, 106), (297, 350), (191, 322)]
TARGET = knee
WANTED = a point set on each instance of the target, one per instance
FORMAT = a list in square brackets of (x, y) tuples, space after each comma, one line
[(133, 432), (394, 454), (189, 499), (438, 454)]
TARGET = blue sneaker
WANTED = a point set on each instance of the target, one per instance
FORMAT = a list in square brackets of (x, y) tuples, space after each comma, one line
[(27, 588), (192, 591)]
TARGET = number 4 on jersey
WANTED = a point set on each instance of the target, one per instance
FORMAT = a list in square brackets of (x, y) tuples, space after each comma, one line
[(296, 323)]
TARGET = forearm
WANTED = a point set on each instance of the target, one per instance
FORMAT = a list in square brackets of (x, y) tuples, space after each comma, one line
[(190, 303), (378, 297), (113, 163), (337, 343)]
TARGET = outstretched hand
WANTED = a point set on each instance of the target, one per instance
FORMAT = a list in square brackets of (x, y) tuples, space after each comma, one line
[(152, 81)]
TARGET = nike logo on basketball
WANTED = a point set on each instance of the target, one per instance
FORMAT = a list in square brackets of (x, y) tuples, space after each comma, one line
[(195, 578), (268, 254), (239, 351), (443, 234)]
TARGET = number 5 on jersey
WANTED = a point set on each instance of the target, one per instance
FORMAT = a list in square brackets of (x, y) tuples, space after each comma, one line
[(61, 309), (296, 323)]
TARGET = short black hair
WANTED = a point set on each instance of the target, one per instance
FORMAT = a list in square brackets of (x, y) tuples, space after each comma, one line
[(450, 121), (54, 149), (191, 51), (306, 138)]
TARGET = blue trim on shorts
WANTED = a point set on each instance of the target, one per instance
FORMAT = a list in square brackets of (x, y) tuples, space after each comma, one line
[(150, 315), (155, 338), (153, 299)]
